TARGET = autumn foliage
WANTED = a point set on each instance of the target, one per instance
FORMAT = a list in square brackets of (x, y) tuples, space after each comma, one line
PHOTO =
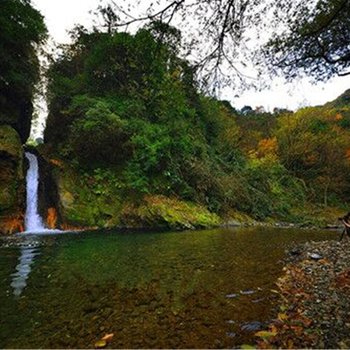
[(51, 218), (14, 224)]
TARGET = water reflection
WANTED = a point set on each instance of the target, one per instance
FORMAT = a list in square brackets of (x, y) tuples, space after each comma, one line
[(19, 278)]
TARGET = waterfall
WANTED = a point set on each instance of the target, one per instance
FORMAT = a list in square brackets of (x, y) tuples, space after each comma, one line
[(33, 221)]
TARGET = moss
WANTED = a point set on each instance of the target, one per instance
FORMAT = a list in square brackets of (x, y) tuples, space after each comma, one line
[(236, 218), (11, 169), (94, 201), (12, 192), (167, 213), (319, 216), (10, 142), (81, 203)]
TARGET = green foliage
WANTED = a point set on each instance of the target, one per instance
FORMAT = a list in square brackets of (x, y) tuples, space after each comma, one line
[(274, 189), (22, 30), (89, 198), (11, 169), (107, 132), (125, 111), (313, 144), (315, 40), (343, 101), (167, 213)]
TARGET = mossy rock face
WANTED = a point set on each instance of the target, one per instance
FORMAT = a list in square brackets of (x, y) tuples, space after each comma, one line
[(167, 213), (10, 143), (236, 218), (12, 188), (81, 205), (18, 115), (90, 201)]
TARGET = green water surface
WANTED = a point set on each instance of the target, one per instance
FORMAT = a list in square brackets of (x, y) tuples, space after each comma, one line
[(201, 289)]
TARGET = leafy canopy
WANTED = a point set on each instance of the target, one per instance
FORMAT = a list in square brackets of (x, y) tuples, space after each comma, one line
[(309, 37), (22, 31), (316, 40)]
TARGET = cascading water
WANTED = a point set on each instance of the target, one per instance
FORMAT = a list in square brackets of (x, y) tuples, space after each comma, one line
[(33, 221), (33, 224)]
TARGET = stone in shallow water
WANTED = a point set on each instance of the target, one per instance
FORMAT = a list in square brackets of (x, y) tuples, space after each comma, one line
[(230, 296), (256, 301), (295, 251), (247, 292), (230, 321), (252, 326), (315, 256), (231, 334)]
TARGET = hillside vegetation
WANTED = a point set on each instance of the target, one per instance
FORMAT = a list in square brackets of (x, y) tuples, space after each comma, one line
[(127, 122)]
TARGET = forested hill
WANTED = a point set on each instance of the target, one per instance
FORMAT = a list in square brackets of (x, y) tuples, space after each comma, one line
[(342, 101), (134, 137)]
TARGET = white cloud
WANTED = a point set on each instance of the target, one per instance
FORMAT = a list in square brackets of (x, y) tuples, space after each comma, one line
[(292, 96), (61, 16)]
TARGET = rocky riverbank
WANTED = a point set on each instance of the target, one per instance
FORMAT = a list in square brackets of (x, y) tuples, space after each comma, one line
[(315, 292)]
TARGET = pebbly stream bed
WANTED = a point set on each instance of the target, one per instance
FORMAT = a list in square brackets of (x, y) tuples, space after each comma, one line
[(197, 289)]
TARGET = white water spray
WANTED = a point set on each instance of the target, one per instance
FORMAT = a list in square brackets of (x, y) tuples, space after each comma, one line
[(33, 221)]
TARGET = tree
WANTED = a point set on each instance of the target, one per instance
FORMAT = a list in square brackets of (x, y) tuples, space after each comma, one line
[(109, 17), (316, 40), (313, 145), (247, 110), (22, 30), (213, 31)]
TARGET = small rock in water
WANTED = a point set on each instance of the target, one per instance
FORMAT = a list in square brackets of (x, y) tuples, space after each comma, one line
[(252, 326), (295, 251), (230, 296), (255, 301), (315, 256), (231, 334), (247, 292)]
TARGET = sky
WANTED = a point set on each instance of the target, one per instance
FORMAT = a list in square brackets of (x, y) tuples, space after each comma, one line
[(61, 16)]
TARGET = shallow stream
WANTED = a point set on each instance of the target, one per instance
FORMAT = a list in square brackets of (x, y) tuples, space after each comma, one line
[(197, 289)]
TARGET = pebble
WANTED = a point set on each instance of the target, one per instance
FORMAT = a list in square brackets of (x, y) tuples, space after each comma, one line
[(321, 270), (252, 326), (315, 256), (231, 334), (247, 292), (233, 295)]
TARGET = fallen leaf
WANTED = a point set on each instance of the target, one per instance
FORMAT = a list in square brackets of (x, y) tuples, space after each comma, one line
[(282, 316), (108, 337), (273, 329), (265, 334), (283, 308), (100, 344)]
